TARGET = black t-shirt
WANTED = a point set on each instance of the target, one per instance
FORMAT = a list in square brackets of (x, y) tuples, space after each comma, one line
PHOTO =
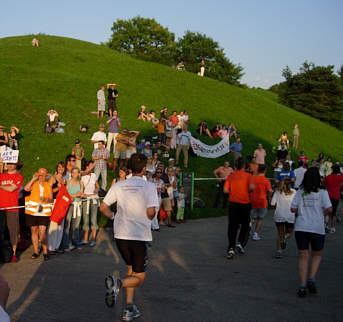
[(282, 154), (112, 93)]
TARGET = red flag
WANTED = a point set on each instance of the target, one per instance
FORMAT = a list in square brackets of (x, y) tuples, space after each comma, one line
[(63, 200)]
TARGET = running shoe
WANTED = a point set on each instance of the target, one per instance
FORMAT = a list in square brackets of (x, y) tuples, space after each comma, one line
[(112, 290), (332, 230), (240, 249), (311, 286), (129, 315), (302, 292), (327, 228), (92, 243), (278, 254), (230, 253), (255, 236)]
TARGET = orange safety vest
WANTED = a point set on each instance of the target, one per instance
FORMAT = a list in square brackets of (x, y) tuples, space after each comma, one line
[(33, 201)]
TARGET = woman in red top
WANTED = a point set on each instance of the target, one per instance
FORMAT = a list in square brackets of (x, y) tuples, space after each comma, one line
[(333, 184), (238, 185)]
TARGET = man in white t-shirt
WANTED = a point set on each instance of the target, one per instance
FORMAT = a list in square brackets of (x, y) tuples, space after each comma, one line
[(260, 154), (136, 201), (101, 101), (183, 142), (299, 174), (99, 136)]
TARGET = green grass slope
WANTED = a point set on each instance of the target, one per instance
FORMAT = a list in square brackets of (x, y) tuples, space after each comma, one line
[(65, 74)]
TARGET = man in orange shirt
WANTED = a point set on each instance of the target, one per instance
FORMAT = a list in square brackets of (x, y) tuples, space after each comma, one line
[(238, 185), (259, 202)]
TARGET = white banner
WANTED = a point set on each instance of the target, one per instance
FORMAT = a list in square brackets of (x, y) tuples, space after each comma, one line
[(10, 156), (211, 151)]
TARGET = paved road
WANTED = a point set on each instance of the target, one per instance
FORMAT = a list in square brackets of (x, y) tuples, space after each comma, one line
[(189, 279)]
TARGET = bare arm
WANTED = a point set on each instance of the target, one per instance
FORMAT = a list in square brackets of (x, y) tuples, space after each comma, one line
[(28, 186), (106, 211), (9, 188), (150, 212)]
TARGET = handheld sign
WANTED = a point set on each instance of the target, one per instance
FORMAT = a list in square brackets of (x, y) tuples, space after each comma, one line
[(10, 156)]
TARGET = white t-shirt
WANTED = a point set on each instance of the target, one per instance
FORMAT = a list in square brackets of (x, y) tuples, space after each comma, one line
[(283, 206), (133, 197), (299, 176), (100, 95), (89, 182), (311, 209), (98, 136)]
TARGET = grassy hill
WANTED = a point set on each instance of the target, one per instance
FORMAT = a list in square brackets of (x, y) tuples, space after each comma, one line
[(66, 73)]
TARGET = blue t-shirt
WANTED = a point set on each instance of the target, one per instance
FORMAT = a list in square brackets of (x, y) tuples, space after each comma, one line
[(285, 174)]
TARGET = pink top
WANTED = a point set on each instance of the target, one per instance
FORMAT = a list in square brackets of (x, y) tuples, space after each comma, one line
[(260, 155)]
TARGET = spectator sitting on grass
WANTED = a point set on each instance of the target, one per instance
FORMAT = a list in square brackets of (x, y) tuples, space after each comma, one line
[(216, 130), (35, 42), (223, 132), (52, 120), (203, 129), (3, 136), (152, 117), (142, 114), (164, 113)]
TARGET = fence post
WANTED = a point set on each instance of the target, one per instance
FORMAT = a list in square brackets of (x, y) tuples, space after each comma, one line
[(192, 192)]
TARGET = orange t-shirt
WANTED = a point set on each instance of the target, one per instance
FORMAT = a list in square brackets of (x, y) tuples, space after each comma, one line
[(238, 185), (259, 195), (160, 128)]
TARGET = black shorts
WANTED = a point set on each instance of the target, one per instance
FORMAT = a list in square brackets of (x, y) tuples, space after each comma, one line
[(334, 203), (112, 105), (37, 220), (304, 239), (288, 225), (133, 253)]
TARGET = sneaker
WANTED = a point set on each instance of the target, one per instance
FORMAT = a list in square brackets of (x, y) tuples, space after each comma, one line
[(84, 243), (302, 292), (240, 248), (230, 253), (255, 236), (130, 314), (14, 259), (332, 230), (278, 254), (327, 228), (311, 286), (112, 290), (92, 243), (71, 247), (46, 257)]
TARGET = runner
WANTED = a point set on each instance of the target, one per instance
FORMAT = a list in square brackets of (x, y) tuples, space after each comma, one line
[(333, 183), (259, 201), (136, 201), (312, 204), (238, 185), (283, 217)]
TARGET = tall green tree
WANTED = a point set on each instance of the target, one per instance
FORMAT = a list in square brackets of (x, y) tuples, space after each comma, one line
[(143, 38), (193, 47), (315, 90)]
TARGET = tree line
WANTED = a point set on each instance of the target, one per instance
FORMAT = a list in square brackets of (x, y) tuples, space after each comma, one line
[(314, 90), (146, 39)]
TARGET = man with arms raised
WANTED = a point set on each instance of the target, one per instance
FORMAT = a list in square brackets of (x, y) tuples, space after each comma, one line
[(136, 201)]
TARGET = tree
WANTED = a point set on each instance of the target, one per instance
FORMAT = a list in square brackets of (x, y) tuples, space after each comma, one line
[(316, 91), (340, 72), (193, 47), (143, 38)]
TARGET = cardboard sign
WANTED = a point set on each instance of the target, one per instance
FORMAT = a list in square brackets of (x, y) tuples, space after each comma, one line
[(10, 156)]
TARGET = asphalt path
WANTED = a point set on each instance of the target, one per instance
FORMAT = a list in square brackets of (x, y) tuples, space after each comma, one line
[(188, 279)]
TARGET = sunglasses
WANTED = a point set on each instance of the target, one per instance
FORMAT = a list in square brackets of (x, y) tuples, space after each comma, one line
[(72, 160)]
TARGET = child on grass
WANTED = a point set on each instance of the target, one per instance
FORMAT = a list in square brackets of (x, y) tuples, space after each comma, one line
[(79, 153), (180, 205)]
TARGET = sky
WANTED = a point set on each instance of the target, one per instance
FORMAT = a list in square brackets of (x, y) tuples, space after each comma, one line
[(262, 35)]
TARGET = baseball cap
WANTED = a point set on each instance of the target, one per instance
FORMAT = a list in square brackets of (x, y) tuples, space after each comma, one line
[(42, 172), (77, 141), (147, 143)]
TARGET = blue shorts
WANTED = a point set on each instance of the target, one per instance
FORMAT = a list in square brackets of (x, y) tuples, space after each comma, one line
[(304, 239)]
